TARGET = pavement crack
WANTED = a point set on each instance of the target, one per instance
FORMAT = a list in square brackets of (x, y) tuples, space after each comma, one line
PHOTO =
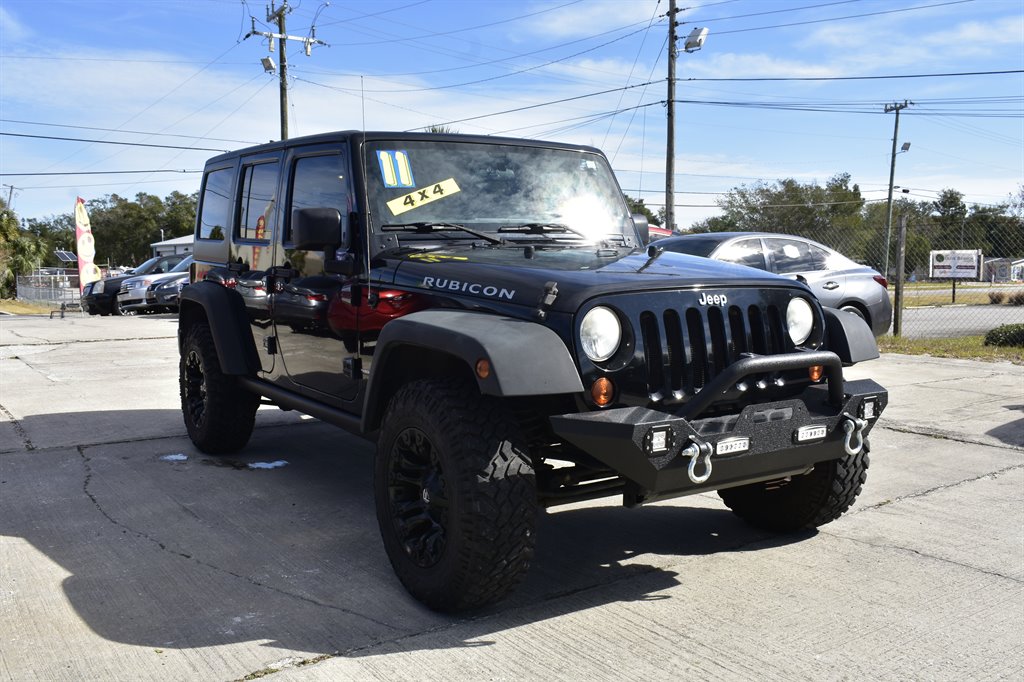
[(935, 489), (87, 464), (18, 429), (946, 435), (925, 555)]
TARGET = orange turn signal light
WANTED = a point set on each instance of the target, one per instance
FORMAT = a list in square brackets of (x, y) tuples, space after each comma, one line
[(602, 391), (815, 372), (483, 368)]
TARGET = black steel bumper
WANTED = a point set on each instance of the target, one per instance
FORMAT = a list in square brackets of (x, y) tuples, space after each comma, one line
[(763, 442)]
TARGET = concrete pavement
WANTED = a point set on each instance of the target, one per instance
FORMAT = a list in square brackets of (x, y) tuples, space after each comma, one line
[(126, 554)]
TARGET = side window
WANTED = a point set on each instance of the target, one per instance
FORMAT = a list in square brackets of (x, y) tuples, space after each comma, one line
[(318, 182), (746, 252), (791, 255), (256, 215), (216, 207)]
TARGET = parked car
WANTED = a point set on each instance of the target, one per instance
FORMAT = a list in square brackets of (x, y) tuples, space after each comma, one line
[(837, 281), (101, 298), (164, 295), (132, 295)]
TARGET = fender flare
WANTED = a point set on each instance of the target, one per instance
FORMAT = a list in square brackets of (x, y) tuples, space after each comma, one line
[(225, 314), (526, 358), (849, 337)]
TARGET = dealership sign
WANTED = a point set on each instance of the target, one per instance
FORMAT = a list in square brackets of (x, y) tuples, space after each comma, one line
[(962, 264)]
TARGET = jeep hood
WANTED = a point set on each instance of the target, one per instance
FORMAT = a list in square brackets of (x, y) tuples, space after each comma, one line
[(519, 275)]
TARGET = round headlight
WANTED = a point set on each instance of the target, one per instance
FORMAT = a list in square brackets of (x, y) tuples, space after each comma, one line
[(799, 320), (600, 334)]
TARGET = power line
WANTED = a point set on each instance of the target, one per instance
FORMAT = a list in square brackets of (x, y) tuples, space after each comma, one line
[(858, 78), (127, 144), (851, 16), (162, 170), (774, 11), (115, 130)]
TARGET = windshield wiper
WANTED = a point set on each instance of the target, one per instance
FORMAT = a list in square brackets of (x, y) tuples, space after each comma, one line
[(426, 227), (541, 228)]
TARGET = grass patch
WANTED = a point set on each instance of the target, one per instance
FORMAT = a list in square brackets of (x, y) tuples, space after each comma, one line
[(963, 347), (24, 307)]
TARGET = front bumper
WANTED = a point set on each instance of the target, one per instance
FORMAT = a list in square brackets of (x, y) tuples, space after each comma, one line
[(648, 448)]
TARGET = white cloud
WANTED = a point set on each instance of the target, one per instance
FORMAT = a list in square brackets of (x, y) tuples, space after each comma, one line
[(12, 30), (589, 18)]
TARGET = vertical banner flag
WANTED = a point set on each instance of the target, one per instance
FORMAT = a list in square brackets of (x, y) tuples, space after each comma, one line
[(86, 247)]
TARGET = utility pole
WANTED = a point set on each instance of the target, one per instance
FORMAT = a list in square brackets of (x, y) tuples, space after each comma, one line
[(897, 107), (901, 257), (10, 195), (277, 14), (670, 151)]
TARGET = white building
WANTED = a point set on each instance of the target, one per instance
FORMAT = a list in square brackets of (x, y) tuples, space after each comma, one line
[(172, 246)]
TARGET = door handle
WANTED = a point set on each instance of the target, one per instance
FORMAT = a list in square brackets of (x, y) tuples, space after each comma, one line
[(830, 285)]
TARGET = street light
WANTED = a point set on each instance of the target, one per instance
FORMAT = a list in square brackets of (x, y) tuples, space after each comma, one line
[(904, 148), (268, 64)]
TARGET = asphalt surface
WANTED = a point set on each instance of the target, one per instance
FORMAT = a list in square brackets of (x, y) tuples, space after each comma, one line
[(126, 554)]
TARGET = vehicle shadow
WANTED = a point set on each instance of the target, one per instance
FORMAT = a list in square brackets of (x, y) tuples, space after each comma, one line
[(1011, 433), (157, 545)]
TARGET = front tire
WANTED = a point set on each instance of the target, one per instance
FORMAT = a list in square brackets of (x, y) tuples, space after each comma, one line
[(219, 414), (802, 502), (456, 495)]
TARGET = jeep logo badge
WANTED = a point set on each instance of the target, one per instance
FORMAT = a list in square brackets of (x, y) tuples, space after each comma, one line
[(715, 299)]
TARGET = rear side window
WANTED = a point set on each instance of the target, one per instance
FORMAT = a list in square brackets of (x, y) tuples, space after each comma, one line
[(257, 217), (746, 252), (216, 204), (791, 255), (318, 182)]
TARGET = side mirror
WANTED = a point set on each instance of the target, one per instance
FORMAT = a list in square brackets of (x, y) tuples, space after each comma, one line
[(642, 227), (316, 229)]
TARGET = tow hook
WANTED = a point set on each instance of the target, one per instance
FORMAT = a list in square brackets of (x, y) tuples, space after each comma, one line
[(854, 429), (695, 451)]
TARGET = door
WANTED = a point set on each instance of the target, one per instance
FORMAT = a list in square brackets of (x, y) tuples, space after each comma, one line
[(809, 263), (313, 339)]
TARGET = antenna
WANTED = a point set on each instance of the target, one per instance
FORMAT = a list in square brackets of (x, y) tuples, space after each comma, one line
[(371, 295)]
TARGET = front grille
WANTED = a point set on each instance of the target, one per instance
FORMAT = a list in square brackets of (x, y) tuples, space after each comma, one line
[(686, 347)]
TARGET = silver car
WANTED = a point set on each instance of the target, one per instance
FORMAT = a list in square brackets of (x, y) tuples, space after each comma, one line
[(837, 281)]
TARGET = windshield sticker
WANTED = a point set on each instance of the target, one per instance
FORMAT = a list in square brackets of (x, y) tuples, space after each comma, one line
[(423, 196), (395, 169)]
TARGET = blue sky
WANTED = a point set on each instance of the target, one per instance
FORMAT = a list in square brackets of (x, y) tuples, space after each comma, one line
[(178, 73)]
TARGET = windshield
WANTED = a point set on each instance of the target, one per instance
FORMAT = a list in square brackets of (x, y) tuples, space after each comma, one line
[(182, 266), (531, 192), (146, 267)]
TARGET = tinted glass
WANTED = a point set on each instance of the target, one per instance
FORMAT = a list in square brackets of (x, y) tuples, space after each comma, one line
[(216, 209), (318, 182), (746, 252), (256, 215), (695, 246), (791, 255)]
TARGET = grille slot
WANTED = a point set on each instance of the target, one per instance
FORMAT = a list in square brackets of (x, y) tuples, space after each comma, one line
[(685, 348)]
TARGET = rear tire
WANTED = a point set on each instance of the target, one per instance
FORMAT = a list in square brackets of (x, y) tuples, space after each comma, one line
[(219, 414), (802, 502), (456, 495)]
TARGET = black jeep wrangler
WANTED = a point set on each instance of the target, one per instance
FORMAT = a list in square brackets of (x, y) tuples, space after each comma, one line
[(488, 311)]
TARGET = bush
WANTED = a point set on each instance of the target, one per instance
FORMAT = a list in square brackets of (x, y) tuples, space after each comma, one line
[(1006, 335), (996, 297), (1016, 298)]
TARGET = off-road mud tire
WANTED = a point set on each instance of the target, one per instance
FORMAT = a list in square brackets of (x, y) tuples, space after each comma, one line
[(803, 502), (219, 414), (471, 539)]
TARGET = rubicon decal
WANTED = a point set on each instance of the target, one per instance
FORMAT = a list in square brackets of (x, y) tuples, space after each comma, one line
[(469, 287)]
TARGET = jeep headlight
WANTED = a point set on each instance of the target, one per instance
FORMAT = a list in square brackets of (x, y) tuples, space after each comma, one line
[(799, 320), (600, 334)]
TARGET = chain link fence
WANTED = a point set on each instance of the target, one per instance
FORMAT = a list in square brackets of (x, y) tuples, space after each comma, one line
[(934, 304), (57, 288)]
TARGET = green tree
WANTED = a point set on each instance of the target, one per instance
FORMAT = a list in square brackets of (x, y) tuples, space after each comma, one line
[(21, 251), (638, 206), (830, 214)]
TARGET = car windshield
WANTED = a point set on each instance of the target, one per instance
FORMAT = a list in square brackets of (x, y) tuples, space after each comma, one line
[(146, 267), (183, 265), (695, 246), (522, 192)]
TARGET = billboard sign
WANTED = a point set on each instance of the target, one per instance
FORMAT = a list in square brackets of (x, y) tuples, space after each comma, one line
[(956, 264)]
